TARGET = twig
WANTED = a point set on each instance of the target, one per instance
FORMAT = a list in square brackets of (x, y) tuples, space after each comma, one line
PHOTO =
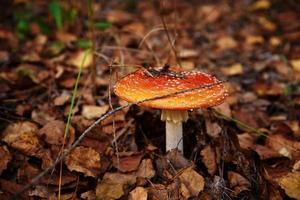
[(111, 112)]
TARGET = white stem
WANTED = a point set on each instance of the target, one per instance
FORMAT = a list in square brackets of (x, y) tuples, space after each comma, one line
[(174, 135)]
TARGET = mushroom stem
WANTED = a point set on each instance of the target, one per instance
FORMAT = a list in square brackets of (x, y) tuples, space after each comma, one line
[(174, 119), (174, 136)]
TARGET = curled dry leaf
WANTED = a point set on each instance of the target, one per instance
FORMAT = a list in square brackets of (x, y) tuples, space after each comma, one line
[(291, 184), (127, 163), (146, 169), (85, 160), (94, 112), (209, 159), (5, 158), (22, 136), (53, 132), (139, 193), (237, 183), (193, 181)]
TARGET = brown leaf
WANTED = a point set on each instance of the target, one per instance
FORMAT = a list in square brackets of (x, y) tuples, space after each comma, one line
[(291, 184), (238, 183), (5, 158), (266, 89), (63, 98), (265, 152), (212, 128), (146, 169), (123, 179), (226, 42), (94, 112), (22, 136), (158, 191), (85, 160), (41, 191), (88, 195), (107, 190), (177, 159), (139, 193), (53, 132), (209, 159), (246, 140), (119, 17), (128, 163), (235, 69), (41, 116), (283, 146), (192, 180)]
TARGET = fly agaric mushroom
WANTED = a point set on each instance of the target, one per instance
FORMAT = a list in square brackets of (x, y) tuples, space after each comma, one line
[(142, 84)]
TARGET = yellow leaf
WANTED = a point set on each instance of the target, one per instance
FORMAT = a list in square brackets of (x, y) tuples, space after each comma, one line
[(261, 5), (296, 64), (291, 184)]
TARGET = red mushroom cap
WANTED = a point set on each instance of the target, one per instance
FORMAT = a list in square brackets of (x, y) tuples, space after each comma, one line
[(140, 85)]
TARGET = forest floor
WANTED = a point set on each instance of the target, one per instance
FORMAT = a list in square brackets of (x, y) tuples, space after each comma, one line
[(246, 148)]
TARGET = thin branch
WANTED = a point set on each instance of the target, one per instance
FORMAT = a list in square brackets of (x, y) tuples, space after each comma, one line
[(111, 112)]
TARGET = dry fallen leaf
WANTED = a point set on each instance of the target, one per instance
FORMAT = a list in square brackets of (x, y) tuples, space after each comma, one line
[(237, 183), (226, 42), (123, 179), (212, 128), (246, 140), (139, 193), (291, 184), (118, 17), (22, 136), (261, 5), (63, 98), (127, 163), (53, 133), (84, 58), (267, 24), (296, 65), (233, 70), (283, 146), (192, 180), (94, 112), (85, 160), (146, 169), (88, 195), (5, 158), (209, 159), (107, 190)]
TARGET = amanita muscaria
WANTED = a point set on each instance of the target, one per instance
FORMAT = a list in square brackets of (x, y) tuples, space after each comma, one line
[(142, 84)]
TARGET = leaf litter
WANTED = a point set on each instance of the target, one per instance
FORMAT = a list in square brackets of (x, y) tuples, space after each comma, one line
[(247, 147)]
